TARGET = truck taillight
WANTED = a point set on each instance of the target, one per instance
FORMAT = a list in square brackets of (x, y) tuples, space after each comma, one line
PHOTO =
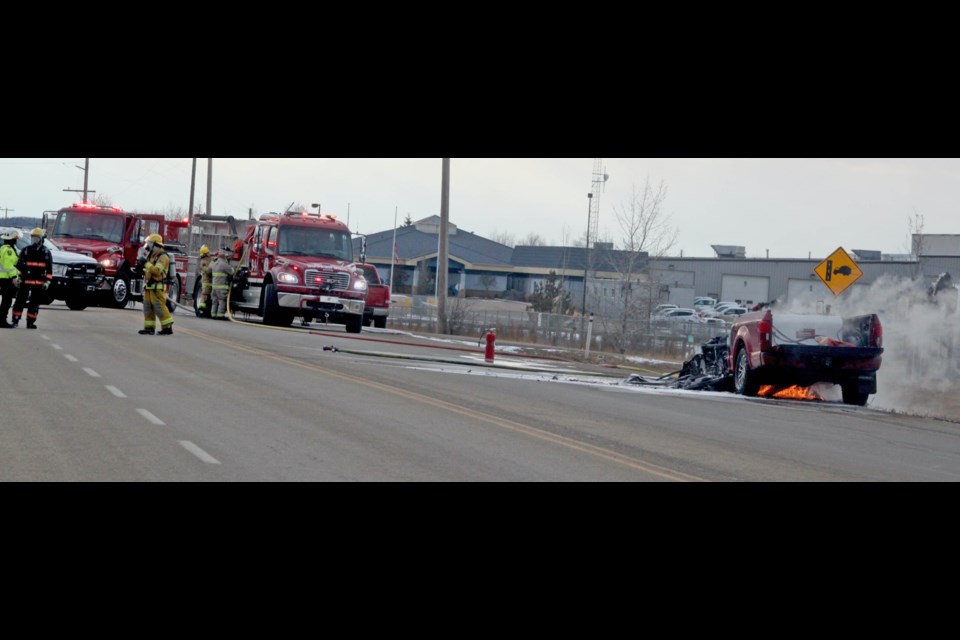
[(876, 332), (765, 328)]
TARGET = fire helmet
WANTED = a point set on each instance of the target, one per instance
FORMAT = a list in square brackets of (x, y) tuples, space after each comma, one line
[(156, 239), (37, 233), (204, 250), (13, 234)]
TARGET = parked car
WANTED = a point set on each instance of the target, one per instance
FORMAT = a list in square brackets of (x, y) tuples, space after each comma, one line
[(680, 315), (718, 308), (76, 277), (731, 313), (663, 308), (703, 302)]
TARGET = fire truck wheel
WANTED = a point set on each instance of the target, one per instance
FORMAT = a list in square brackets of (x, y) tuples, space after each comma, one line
[(354, 324), (380, 322), (120, 294), (273, 315)]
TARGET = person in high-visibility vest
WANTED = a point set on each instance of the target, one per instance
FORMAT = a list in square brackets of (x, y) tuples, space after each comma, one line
[(8, 274), (220, 283), (36, 273), (155, 288), (203, 270)]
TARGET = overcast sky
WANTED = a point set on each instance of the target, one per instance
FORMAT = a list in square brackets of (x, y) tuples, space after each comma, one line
[(791, 207)]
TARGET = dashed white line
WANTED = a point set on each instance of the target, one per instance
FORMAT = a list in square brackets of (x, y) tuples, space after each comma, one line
[(57, 347), (91, 373), (70, 357), (197, 451), (112, 389), (149, 416)]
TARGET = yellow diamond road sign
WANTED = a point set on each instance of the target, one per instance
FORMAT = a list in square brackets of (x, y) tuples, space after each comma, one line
[(838, 271)]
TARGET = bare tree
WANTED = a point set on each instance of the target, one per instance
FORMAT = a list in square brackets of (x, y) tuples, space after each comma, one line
[(533, 240), (646, 234), (505, 238)]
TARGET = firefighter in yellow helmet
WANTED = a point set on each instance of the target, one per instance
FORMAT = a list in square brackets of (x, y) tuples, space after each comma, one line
[(155, 272), (36, 272), (220, 270), (8, 274), (206, 281)]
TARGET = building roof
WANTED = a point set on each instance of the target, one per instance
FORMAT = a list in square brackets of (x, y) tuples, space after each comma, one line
[(413, 244)]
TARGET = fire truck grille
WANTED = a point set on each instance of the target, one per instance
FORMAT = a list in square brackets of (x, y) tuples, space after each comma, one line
[(335, 280)]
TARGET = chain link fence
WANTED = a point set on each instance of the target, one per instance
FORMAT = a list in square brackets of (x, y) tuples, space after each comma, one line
[(641, 337)]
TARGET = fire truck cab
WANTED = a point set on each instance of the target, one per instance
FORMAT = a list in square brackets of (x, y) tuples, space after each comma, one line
[(114, 237), (300, 264)]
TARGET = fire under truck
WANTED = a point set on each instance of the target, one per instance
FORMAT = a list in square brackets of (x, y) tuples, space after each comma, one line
[(299, 264), (113, 237)]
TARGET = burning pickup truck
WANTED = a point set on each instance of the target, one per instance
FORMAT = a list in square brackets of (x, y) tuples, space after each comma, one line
[(786, 349), (768, 353)]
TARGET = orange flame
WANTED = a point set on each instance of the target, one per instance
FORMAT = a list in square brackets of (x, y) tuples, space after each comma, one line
[(788, 393)]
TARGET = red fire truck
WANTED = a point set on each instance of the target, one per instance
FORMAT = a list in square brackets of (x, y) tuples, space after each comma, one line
[(113, 238), (300, 264)]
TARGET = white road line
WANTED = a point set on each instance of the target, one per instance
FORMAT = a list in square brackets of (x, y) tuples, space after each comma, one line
[(45, 337), (197, 451), (57, 347), (70, 357), (149, 416), (91, 373), (112, 389)]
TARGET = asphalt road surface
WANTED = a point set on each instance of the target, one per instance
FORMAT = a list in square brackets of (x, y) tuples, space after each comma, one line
[(88, 399)]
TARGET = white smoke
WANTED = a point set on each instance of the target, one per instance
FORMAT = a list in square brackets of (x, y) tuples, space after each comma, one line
[(920, 371)]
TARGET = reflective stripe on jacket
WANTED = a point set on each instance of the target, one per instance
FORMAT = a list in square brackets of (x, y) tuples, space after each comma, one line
[(155, 271), (8, 262)]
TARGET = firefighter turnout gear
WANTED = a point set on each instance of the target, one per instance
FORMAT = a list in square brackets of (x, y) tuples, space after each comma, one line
[(36, 273), (220, 274), (155, 289), (8, 274), (206, 279)]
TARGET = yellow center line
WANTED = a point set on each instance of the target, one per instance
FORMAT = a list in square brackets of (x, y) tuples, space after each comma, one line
[(518, 427)]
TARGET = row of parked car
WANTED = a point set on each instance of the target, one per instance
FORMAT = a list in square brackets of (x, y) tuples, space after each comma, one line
[(704, 311)]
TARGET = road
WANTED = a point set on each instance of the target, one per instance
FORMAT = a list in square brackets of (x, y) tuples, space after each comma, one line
[(88, 399)]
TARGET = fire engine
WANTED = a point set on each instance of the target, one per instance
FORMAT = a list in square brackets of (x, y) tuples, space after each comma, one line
[(300, 263), (113, 237)]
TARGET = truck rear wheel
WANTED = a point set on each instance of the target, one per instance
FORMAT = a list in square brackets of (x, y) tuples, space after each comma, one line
[(380, 322), (173, 296), (77, 302), (743, 381), (852, 394)]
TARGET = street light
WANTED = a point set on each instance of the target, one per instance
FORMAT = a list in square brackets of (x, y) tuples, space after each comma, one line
[(316, 205)]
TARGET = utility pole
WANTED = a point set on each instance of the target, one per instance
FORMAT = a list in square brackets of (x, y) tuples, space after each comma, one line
[(586, 265), (5, 211), (86, 172), (193, 184), (442, 254), (209, 186)]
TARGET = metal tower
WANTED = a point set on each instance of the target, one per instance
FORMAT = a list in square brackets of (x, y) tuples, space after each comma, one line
[(599, 179)]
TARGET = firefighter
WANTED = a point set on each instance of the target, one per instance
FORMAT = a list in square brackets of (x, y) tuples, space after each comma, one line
[(155, 288), (36, 272), (220, 279), (203, 272), (8, 274)]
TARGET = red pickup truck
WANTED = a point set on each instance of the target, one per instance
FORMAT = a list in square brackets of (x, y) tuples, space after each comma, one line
[(377, 306), (767, 348)]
